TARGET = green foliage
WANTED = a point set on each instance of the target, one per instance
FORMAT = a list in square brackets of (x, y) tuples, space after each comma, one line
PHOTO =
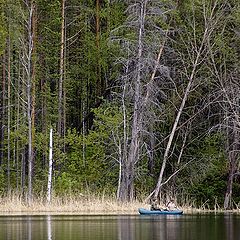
[(65, 183), (89, 159), (3, 27), (3, 181), (211, 190), (209, 184)]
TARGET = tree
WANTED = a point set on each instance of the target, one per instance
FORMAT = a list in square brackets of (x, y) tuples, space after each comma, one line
[(143, 44), (61, 104), (27, 63), (3, 34), (224, 66), (197, 51), (49, 188)]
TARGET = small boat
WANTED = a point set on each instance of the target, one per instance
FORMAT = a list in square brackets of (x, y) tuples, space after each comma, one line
[(144, 211)]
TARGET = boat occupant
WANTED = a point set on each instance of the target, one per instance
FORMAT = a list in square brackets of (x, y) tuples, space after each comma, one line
[(171, 205), (154, 205)]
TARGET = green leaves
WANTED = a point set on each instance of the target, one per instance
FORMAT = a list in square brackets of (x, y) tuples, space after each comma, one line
[(3, 26)]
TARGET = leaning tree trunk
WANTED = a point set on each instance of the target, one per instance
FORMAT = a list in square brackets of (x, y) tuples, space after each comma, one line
[(172, 134), (200, 53)]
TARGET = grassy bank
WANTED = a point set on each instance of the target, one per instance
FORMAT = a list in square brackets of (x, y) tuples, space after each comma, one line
[(81, 204)]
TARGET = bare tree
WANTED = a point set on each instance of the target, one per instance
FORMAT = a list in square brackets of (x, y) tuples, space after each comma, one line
[(227, 91), (139, 86), (228, 88), (197, 50), (27, 42)]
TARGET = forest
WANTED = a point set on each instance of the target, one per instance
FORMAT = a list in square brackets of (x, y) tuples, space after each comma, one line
[(143, 97)]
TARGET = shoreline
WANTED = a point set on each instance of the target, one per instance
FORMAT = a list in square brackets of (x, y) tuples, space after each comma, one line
[(70, 212)]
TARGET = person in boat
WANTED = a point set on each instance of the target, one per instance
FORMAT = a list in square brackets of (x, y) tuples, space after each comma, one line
[(154, 205), (171, 205)]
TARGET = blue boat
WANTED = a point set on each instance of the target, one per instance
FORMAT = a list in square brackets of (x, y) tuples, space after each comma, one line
[(144, 211)]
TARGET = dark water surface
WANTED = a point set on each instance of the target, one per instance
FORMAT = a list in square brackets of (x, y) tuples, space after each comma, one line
[(185, 227)]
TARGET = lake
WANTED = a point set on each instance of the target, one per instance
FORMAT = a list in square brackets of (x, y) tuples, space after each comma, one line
[(134, 227)]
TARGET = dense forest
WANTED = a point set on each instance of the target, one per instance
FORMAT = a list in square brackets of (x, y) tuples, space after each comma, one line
[(143, 97)]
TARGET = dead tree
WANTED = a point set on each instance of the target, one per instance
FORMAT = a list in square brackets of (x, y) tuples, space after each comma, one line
[(141, 63), (126, 181), (197, 51), (27, 42), (227, 91)]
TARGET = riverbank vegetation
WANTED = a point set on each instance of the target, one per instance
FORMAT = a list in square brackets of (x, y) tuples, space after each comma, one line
[(89, 204), (142, 96), (68, 204)]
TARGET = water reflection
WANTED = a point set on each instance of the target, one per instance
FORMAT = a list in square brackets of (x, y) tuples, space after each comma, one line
[(149, 227), (187, 227), (126, 228), (49, 228), (230, 223), (29, 228)]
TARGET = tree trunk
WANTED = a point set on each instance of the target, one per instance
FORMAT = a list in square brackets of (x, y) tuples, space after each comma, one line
[(228, 194), (33, 73), (28, 69), (23, 172), (9, 112), (123, 150), (172, 134), (150, 151), (61, 78), (233, 153), (18, 123), (49, 187), (126, 186), (3, 108), (99, 84), (126, 192)]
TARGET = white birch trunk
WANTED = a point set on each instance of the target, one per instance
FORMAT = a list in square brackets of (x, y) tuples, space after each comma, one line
[(49, 187), (49, 227)]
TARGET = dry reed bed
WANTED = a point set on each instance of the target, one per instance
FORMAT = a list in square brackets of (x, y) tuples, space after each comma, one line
[(82, 205), (68, 205)]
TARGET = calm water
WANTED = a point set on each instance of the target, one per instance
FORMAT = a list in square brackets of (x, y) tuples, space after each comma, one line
[(185, 227)]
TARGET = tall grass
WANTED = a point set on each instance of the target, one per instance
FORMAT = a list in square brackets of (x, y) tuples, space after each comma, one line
[(15, 203), (85, 204)]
